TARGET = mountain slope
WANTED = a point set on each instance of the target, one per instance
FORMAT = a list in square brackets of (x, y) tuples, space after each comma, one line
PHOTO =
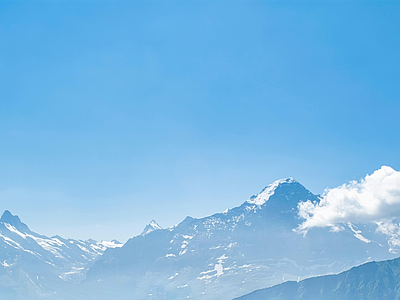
[(35, 266), (371, 281), (232, 253)]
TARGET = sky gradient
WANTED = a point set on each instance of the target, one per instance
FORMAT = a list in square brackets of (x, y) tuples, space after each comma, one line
[(113, 113)]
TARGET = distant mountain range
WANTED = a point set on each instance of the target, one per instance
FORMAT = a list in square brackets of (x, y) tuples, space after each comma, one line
[(232, 253), (222, 256), (34, 266)]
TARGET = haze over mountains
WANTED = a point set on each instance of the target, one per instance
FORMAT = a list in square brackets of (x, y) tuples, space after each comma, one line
[(228, 254), (255, 245)]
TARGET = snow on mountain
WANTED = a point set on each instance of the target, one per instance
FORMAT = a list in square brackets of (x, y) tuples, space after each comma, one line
[(152, 226), (35, 265), (221, 256), (111, 244), (229, 254), (268, 191)]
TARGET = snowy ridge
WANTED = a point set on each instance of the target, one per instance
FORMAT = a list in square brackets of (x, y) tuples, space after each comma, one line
[(228, 254), (220, 256), (111, 244), (268, 191), (152, 226), (57, 246), (47, 262)]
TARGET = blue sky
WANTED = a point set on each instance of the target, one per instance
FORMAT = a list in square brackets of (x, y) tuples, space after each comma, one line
[(113, 113)]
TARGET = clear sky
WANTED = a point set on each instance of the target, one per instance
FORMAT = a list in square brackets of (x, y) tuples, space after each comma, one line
[(113, 113)]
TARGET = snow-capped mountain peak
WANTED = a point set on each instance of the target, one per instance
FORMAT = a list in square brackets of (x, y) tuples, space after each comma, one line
[(268, 191), (48, 262), (9, 218), (152, 226), (248, 246)]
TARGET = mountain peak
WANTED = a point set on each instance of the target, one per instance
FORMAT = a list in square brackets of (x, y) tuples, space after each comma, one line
[(15, 221), (268, 191), (152, 226), (6, 215)]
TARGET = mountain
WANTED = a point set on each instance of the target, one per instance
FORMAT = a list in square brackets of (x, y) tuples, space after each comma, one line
[(221, 256), (370, 281), (229, 254), (153, 225), (34, 266)]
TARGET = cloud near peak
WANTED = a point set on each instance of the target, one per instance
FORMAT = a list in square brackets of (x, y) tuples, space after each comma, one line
[(376, 198)]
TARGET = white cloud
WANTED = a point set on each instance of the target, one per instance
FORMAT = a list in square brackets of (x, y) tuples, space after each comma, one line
[(376, 198), (392, 230)]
